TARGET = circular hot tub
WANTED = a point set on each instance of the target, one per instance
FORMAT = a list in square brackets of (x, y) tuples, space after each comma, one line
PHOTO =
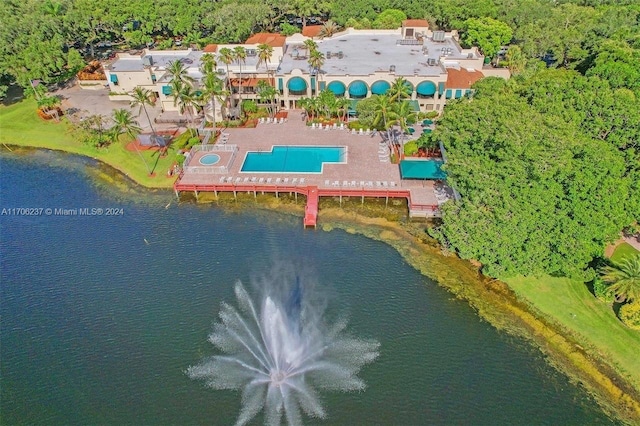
[(209, 159)]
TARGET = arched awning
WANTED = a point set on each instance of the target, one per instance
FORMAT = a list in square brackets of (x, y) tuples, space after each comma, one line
[(358, 89), (297, 84), (380, 87), (409, 86), (426, 88), (337, 87)]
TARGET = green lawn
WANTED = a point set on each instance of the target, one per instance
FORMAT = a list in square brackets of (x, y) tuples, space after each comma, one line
[(570, 304), (20, 125), (622, 251)]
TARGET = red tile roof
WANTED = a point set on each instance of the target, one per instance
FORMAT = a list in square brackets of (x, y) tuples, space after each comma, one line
[(273, 40), (421, 23), (210, 48), (311, 30), (462, 78)]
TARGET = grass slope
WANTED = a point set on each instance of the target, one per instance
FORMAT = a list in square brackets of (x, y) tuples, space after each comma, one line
[(570, 304), (21, 126), (622, 251)]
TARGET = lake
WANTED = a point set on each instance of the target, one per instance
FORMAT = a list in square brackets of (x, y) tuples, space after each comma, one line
[(102, 315)]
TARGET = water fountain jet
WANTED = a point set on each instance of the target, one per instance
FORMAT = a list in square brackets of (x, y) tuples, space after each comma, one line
[(282, 354)]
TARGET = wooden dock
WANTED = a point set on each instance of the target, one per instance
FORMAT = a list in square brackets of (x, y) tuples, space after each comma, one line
[(312, 193)]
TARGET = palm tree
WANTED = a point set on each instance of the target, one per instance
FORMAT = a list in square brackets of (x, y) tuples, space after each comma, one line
[(240, 56), (226, 57), (213, 89), (383, 106), (328, 29), (126, 124), (404, 115), (267, 92), (327, 103), (624, 278), (208, 63), (310, 45), (141, 98), (178, 71), (342, 106), (265, 53), (304, 8), (316, 60), (186, 99), (400, 89)]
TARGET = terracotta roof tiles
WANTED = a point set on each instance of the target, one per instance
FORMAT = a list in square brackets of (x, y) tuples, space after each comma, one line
[(462, 78), (273, 40)]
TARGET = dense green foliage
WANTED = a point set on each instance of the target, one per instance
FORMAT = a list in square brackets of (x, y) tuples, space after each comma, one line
[(43, 40), (547, 166)]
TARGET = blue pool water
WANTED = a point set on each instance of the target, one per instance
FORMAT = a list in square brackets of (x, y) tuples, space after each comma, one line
[(293, 159), (209, 159), (422, 169)]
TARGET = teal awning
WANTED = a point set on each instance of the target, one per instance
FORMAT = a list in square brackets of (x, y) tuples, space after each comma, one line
[(323, 85), (409, 86), (467, 92), (458, 94), (280, 86), (440, 88), (448, 94), (421, 169), (337, 87), (380, 87), (297, 84), (113, 78), (426, 88), (313, 83), (166, 90), (358, 89), (415, 105)]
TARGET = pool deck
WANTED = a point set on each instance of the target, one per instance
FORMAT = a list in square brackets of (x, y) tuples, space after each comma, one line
[(364, 174)]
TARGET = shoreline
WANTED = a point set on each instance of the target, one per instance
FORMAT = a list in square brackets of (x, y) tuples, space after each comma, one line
[(494, 301)]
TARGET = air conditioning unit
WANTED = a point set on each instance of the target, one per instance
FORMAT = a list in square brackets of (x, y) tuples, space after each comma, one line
[(220, 71), (392, 68)]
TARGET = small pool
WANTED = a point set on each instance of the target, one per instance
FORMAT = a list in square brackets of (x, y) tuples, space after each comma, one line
[(209, 159), (422, 169), (293, 159)]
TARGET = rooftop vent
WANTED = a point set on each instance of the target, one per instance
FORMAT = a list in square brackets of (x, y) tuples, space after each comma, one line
[(392, 68), (438, 36), (147, 60)]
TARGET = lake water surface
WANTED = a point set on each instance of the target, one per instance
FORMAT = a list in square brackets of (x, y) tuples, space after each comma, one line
[(102, 315)]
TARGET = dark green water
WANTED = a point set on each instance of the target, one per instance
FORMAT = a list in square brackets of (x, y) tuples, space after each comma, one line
[(98, 325)]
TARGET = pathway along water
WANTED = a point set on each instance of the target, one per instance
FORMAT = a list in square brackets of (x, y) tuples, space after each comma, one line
[(102, 315)]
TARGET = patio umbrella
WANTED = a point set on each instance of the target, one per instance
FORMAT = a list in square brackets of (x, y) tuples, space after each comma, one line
[(427, 122)]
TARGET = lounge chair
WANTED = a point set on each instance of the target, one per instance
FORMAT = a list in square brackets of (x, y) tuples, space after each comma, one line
[(261, 180), (254, 179), (222, 179), (335, 183), (361, 132), (378, 184), (385, 184), (294, 181), (353, 131), (278, 180), (301, 181), (246, 180), (345, 183), (393, 183), (327, 182), (285, 180), (362, 183), (268, 180), (353, 183), (238, 180)]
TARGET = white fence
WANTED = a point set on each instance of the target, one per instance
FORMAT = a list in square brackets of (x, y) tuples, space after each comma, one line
[(209, 169)]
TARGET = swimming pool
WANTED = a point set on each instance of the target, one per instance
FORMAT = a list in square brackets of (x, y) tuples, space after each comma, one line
[(293, 159), (422, 169), (209, 159)]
